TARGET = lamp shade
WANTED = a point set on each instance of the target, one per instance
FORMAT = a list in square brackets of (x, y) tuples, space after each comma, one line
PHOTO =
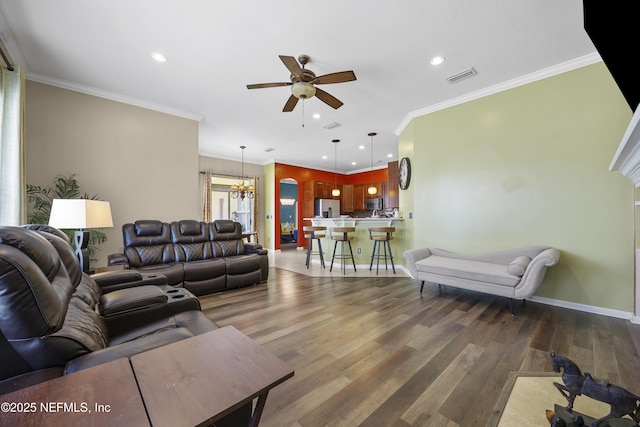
[(303, 90), (80, 213)]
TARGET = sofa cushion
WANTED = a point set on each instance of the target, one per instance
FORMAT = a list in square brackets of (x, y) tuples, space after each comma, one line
[(518, 266), (190, 228), (204, 270), (148, 228), (227, 248), (187, 252), (224, 226), (242, 264), (224, 229), (147, 242), (467, 269)]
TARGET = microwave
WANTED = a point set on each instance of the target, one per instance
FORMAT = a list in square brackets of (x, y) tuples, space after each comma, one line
[(374, 204)]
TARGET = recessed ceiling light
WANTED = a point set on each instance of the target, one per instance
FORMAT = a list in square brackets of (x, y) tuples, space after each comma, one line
[(437, 60), (361, 147), (316, 116), (324, 157), (389, 155), (159, 57), (353, 163)]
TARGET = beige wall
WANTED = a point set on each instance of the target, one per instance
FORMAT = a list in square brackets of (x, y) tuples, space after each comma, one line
[(144, 162), (530, 166)]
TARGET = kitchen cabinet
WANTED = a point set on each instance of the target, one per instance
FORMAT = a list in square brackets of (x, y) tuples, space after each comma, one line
[(358, 196), (323, 190), (308, 198), (347, 198), (391, 195)]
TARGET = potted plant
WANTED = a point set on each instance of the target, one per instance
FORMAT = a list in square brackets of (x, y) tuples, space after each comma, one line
[(63, 187)]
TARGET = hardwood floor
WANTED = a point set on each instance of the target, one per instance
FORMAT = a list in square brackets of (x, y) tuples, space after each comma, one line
[(372, 351)]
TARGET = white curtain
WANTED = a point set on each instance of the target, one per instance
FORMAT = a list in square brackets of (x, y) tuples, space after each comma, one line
[(13, 206)]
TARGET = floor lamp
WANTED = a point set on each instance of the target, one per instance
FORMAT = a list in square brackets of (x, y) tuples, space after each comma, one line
[(80, 214)]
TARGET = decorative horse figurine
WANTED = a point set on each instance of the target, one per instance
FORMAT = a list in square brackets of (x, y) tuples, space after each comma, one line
[(622, 401)]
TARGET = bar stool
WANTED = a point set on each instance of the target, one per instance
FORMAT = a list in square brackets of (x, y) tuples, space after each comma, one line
[(342, 235), (313, 232), (381, 236)]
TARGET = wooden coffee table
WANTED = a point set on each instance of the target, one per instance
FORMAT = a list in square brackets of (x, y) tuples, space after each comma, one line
[(201, 379), (104, 395)]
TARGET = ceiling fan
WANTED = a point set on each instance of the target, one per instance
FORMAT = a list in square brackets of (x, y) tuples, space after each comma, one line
[(303, 83)]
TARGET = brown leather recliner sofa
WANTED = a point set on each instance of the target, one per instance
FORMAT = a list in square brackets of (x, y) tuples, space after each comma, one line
[(56, 320), (51, 312), (203, 257)]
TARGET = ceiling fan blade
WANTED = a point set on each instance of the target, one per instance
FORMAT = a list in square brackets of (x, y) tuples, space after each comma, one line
[(292, 65), (290, 105), (330, 100), (265, 85), (339, 77)]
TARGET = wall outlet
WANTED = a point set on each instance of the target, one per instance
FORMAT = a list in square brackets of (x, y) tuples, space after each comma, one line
[(359, 250)]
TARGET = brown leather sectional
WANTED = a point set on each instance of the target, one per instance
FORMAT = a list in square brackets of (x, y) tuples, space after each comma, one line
[(203, 257)]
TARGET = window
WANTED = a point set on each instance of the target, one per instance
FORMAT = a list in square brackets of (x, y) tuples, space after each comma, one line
[(223, 206)]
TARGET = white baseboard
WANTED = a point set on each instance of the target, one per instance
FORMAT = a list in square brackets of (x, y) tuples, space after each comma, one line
[(586, 308), (542, 300)]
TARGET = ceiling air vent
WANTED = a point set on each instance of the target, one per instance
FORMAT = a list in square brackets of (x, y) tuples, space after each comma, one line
[(462, 75), (332, 125), (268, 150)]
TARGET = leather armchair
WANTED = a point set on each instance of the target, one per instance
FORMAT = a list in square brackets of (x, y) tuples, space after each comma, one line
[(49, 311)]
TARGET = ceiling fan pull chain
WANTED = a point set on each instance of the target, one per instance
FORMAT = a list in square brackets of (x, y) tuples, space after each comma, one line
[(302, 112)]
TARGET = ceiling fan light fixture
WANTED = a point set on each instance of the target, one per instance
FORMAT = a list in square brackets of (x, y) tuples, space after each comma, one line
[(303, 90)]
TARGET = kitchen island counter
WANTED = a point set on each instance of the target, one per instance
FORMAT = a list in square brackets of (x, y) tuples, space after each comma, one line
[(361, 244)]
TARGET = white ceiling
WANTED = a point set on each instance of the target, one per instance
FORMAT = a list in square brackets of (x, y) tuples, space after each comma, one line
[(216, 47)]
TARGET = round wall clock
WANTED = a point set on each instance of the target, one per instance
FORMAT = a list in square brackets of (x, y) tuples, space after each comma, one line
[(404, 173)]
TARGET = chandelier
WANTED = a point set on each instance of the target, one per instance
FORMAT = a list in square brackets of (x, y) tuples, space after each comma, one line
[(241, 190)]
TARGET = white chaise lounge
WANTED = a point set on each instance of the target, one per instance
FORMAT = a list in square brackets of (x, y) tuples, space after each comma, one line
[(513, 273)]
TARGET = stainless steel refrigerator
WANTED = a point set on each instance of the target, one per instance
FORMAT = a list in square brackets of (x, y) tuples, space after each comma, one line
[(327, 208)]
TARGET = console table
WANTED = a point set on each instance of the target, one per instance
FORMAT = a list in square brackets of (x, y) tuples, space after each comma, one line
[(201, 379), (192, 382), (104, 395)]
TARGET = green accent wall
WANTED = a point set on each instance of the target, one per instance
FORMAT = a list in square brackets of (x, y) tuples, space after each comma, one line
[(530, 166), (269, 206)]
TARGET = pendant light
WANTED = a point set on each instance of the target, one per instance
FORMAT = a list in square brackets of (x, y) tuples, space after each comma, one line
[(241, 190), (336, 191), (372, 188)]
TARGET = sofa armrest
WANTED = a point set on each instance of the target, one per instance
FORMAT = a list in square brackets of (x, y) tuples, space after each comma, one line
[(126, 300), (414, 255), (110, 281), (118, 259), (254, 248), (127, 309), (535, 272)]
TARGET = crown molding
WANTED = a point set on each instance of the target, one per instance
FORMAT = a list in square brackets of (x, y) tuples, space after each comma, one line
[(627, 157), (574, 64), (113, 96)]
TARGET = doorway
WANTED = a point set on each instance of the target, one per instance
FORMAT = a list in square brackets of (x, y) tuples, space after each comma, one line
[(288, 214)]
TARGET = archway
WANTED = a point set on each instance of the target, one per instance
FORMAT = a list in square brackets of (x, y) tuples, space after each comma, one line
[(288, 205)]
